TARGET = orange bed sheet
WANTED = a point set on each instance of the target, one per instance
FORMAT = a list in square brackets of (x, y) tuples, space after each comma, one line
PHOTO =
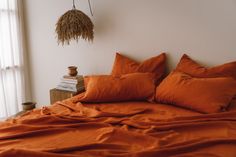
[(134, 129)]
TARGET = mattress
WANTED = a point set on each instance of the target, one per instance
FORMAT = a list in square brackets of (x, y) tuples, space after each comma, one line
[(134, 129)]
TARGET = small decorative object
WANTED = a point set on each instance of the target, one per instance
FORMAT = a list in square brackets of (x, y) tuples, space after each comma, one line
[(72, 71), (74, 24), (28, 106)]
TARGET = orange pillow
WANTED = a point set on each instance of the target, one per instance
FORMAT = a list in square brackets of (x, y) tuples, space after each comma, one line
[(124, 65), (135, 86), (206, 95), (187, 65)]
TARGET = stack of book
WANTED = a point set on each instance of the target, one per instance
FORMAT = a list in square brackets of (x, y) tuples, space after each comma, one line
[(71, 83)]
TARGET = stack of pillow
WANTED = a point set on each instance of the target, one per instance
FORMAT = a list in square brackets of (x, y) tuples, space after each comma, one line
[(190, 85)]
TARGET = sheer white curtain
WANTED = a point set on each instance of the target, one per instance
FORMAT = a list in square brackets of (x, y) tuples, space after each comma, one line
[(12, 92)]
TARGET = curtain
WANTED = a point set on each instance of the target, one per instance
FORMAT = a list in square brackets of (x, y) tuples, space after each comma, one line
[(12, 91)]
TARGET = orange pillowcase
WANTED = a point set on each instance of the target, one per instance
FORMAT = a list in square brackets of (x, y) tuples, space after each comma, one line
[(135, 86), (187, 65), (124, 65), (206, 95)]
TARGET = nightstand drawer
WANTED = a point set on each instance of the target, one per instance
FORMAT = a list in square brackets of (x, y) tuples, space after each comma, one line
[(58, 95)]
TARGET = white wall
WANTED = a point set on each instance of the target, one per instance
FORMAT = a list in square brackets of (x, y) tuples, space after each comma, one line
[(205, 29)]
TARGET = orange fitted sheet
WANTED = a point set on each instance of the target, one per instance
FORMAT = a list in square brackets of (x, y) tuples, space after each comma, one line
[(138, 129)]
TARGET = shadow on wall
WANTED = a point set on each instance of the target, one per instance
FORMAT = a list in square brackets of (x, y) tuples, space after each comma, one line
[(102, 23)]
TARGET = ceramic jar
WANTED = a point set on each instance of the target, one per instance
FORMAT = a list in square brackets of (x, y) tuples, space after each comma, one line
[(28, 106), (72, 71)]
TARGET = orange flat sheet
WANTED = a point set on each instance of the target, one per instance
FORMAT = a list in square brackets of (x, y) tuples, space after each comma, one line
[(134, 129)]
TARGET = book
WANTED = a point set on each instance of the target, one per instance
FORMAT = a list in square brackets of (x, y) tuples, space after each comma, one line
[(72, 85), (73, 77), (70, 89), (66, 89), (78, 77), (72, 81)]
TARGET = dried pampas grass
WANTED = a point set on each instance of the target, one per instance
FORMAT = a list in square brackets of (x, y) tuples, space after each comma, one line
[(74, 24)]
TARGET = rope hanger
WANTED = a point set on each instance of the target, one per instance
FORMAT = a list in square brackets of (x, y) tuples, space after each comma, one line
[(90, 8)]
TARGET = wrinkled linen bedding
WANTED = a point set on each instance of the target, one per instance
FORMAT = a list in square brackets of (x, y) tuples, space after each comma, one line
[(134, 129)]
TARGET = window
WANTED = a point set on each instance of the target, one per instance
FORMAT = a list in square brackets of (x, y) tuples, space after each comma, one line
[(11, 59)]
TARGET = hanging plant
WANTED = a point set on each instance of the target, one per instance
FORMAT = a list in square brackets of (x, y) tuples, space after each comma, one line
[(73, 25)]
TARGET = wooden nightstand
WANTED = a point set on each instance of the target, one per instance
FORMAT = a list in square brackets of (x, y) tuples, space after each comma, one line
[(58, 95)]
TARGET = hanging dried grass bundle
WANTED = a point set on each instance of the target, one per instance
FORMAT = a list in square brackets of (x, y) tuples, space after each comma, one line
[(74, 24)]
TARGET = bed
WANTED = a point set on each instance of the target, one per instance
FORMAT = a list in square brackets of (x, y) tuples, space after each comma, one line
[(118, 129), (76, 127)]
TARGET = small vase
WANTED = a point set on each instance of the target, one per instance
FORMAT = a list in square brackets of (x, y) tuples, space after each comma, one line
[(28, 106), (72, 71)]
